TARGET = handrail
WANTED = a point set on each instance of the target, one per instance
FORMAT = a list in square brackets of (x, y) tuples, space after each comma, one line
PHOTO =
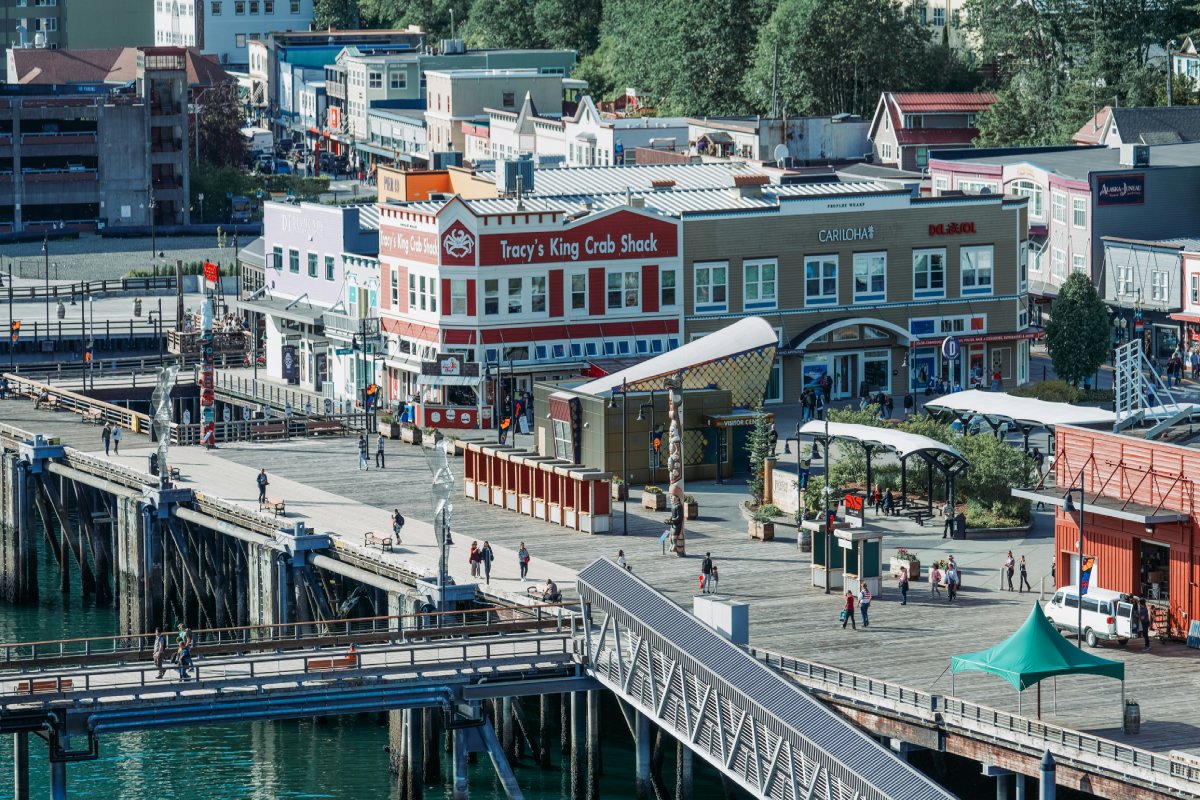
[(955, 712), (85, 288), (279, 634), (80, 403)]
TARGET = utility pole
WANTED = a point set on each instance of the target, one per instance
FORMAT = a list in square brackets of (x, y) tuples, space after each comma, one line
[(46, 253)]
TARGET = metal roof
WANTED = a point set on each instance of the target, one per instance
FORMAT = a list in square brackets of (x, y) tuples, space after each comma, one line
[(864, 762), (1023, 410), (903, 443), (1075, 162), (636, 178)]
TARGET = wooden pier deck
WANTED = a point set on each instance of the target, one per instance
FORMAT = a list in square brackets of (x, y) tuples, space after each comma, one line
[(911, 645)]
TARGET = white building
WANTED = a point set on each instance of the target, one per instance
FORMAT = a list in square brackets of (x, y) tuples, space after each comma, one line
[(222, 27)]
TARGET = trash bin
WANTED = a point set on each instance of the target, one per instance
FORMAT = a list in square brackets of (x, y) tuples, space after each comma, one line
[(154, 465), (1133, 717), (137, 307)]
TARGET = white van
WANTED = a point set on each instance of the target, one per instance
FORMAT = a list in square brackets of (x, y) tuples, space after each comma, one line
[(1107, 615)]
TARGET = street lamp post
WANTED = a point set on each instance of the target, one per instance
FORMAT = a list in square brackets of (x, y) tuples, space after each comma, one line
[(651, 464), (1170, 70), (1068, 507), (153, 231), (46, 254), (612, 403)]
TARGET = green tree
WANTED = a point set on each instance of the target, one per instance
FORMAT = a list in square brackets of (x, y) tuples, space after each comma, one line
[(1077, 334), (851, 465), (599, 70), (833, 57), (220, 128), (569, 24), (759, 447), (502, 23), (994, 467), (433, 16), (340, 14)]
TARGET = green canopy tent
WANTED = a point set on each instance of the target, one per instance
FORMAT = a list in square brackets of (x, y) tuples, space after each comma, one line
[(1037, 651)]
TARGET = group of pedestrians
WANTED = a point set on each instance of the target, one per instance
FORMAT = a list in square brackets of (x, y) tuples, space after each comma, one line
[(182, 656), (480, 559), (884, 501), (708, 574), (1010, 566), (363, 452), (951, 576), (111, 436), (864, 607)]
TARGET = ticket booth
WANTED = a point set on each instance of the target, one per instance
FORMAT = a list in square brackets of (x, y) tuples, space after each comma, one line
[(862, 559), (827, 553)]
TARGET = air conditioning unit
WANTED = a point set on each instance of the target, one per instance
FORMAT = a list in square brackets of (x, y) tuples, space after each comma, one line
[(507, 172)]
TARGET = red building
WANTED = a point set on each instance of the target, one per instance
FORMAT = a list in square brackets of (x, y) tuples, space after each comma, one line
[(1139, 519), (533, 289)]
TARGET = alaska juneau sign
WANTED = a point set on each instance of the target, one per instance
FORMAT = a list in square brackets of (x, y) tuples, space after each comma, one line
[(1120, 190)]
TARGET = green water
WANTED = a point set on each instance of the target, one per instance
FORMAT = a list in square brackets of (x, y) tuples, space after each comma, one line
[(335, 758)]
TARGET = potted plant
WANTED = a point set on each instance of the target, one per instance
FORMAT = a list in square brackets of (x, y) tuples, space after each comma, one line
[(762, 525), (903, 559), (410, 433), (691, 507), (620, 490), (431, 437), (653, 498), (388, 426)]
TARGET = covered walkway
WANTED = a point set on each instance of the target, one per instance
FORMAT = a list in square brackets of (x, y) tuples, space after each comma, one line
[(1027, 414)]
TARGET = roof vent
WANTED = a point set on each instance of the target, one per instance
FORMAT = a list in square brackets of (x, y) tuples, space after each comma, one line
[(637, 201), (662, 184), (749, 185)]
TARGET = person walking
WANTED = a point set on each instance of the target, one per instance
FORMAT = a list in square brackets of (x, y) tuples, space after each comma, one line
[(160, 650), (864, 602), (397, 525), (948, 513), (1143, 615), (523, 561), (889, 503), (474, 558), (1010, 566), (380, 462), (877, 499), (183, 653), (362, 452), (935, 578), (1024, 577), (909, 403), (485, 557), (705, 572), (116, 440), (904, 586), (952, 580), (848, 611), (263, 483), (106, 436), (713, 578)]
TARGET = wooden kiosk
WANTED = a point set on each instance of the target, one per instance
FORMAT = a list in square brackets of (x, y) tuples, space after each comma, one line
[(862, 556)]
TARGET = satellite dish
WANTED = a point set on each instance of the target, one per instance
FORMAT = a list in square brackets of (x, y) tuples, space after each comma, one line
[(781, 153)]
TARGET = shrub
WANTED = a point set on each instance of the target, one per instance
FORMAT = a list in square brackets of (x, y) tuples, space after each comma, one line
[(904, 555), (1050, 391), (652, 490)]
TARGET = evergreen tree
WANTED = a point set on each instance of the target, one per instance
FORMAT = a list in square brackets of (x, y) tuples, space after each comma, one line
[(502, 23), (220, 128), (569, 24), (1077, 335), (759, 447), (340, 14)]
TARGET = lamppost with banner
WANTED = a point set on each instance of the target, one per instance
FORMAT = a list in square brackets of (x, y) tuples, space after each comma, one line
[(612, 403), (1080, 582)]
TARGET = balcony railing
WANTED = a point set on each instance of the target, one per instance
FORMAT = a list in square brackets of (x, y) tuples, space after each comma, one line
[(167, 146)]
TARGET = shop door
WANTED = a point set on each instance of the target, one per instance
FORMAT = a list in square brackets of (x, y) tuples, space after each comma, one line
[(845, 376), (739, 450), (923, 367)]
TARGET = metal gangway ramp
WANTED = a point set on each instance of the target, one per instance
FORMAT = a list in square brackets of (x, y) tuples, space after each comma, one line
[(761, 730)]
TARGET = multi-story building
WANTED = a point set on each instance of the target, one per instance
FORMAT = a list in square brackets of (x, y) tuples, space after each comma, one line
[(321, 278), (72, 158), (1114, 126), (103, 69), (455, 97), (1080, 195), (79, 24), (1186, 62), (532, 287), (583, 139), (907, 125), (1154, 290), (223, 27), (807, 139), (946, 21)]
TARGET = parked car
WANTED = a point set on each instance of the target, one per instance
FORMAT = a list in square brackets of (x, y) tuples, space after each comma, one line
[(1106, 615), (282, 167)]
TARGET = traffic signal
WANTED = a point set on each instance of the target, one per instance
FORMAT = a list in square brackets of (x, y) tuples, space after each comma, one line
[(15, 330)]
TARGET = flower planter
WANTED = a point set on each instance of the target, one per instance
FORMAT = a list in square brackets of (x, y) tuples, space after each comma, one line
[(620, 491), (914, 568), (693, 510), (410, 435), (391, 430), (763, 531), (654, 501)]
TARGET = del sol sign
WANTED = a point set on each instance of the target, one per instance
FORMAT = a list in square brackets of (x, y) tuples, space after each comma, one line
[(951, 228)]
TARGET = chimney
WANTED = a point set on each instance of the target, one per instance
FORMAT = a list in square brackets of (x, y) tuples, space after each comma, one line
[(662, 184), (749, 185)]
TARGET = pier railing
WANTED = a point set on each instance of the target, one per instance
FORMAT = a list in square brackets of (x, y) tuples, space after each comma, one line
[(99, 650), (58, 398), (1171, 773)]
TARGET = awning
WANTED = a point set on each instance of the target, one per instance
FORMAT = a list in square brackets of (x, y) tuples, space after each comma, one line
[(449, 380), (298, 312), (1103, 506), (716, 137), (1028, 411), (901, 442)]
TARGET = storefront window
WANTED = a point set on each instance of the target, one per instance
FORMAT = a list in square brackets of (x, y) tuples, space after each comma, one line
[(578, 292), (666, 286), (1033, 192), (537, 297), (458, 297), (516, 291), (624, 289), (877, 370)]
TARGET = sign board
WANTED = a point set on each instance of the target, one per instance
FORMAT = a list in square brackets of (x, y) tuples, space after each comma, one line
[(1121, 190), (951, 348), (736, 420), (291, 372), (855, 505), (621, 235), (449, 365), (343, 351), (1193, 637), (211, 274)]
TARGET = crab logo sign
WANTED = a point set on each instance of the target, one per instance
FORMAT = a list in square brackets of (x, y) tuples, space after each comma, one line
[(458, 245)]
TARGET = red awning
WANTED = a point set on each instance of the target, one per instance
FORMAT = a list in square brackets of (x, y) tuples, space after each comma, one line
[(1193, 318)]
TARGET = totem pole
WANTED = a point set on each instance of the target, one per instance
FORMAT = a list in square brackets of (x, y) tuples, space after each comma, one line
[(675, 461)]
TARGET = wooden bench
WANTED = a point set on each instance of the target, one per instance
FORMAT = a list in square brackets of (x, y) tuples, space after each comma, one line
[(49, 402), (45, 686), (273, 504), (383, 541), (316, 427), (327, 664), (920, 516), (268, 430), (94, 416)]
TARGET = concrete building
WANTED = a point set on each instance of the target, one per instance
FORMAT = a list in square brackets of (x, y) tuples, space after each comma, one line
[(1080, 195), (320, 287), (907, 125), (78, 24), (455, 97), (807, 139), (102, 68), (72, 158), (223, 27)]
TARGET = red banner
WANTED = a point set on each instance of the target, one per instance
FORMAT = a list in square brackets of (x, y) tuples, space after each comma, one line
[(211, 273)]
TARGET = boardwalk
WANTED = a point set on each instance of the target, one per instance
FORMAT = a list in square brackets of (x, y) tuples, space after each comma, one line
[(911, 645)]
